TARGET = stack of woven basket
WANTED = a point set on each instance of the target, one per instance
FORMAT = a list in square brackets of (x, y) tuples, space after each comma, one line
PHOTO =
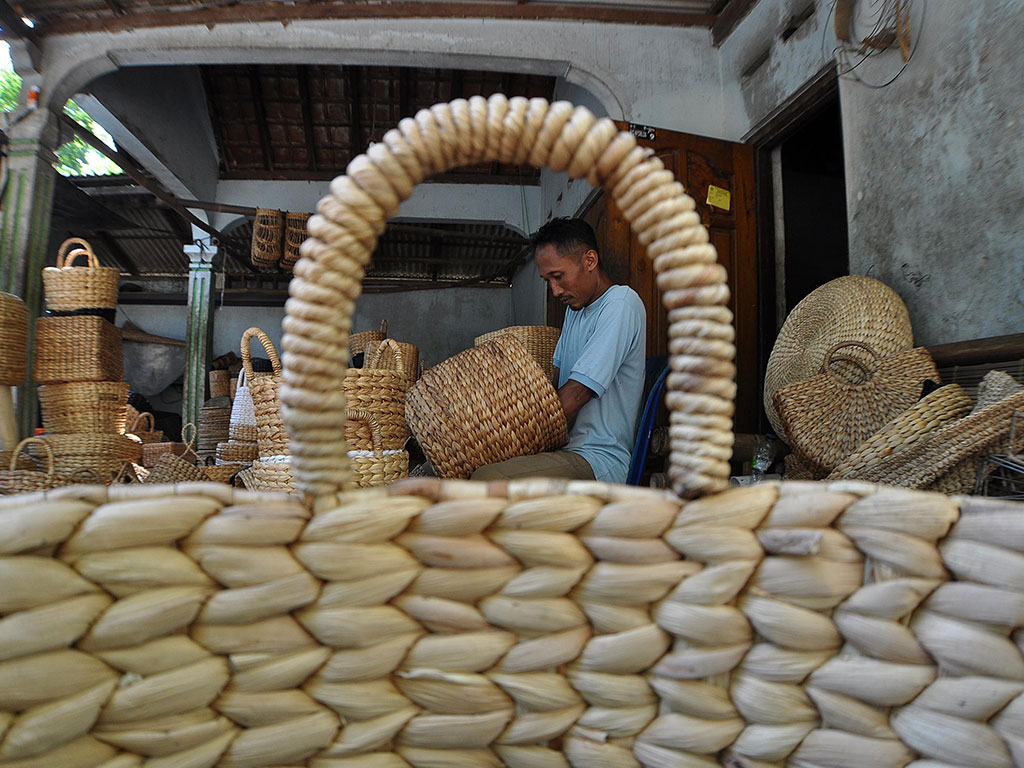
[(79, 367), (276, 238)]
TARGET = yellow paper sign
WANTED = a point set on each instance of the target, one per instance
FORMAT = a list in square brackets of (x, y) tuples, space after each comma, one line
[(720, 198)]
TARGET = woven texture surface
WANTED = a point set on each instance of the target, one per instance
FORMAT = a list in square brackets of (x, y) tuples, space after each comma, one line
[(267, 238), (529, 624), (485, 405), (398, 356), (80, 406), (826, 418), (68, 287), (850, 308), (13, 329), (540, 341), (271, 438), (81, 348)]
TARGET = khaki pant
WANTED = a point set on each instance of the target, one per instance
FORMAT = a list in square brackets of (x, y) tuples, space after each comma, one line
[(557, 464)]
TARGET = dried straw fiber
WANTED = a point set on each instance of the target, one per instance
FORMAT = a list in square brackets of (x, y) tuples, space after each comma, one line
[(531, 623)]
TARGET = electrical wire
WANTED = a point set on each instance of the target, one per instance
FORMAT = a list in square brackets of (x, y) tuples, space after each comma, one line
[(884, 15)]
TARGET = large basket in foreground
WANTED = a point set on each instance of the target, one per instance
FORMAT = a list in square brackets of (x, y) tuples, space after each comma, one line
[(529, 624)]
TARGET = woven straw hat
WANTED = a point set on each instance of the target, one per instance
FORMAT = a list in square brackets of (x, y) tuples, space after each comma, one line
[(851, 308)]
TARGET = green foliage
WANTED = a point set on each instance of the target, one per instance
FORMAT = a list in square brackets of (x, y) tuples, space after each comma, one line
[(10, 86)]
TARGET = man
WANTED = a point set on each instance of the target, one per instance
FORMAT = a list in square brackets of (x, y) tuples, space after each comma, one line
[(600, 359)]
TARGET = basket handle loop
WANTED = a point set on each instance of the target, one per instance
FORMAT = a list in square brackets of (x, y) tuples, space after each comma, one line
[(268, 347), (148, 417), (830, 356), (384, 327), (379, 356), (34, 441), (343, 235), (66, 259), (356, 414)]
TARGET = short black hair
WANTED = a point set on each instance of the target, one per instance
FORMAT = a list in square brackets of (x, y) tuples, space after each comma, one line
[(568, 236)]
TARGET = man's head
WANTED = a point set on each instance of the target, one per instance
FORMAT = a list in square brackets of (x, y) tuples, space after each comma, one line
[(566, 254)]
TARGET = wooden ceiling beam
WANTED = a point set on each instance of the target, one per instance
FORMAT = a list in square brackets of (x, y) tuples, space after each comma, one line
[(13, 27), (727, 17), (356, 140), (282, 11), (261, 115)]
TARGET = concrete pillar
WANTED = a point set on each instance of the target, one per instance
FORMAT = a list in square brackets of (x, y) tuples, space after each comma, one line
[(25, 229), (199, 332)]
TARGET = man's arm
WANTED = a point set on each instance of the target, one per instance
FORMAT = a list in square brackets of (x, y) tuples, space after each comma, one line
[(573, 396)]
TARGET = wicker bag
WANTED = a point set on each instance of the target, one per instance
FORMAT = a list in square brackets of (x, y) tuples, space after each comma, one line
[(530, 623), (104, 455), (395, 355), (69, 288), (827, 416), (271, 438), (139, 429), (84, 406), (242, 423), (172, 468), (294, 235), (376, 466), (15, 479), (152, 452), (484, 405), (267, 237), (540, 341), (80, 348)]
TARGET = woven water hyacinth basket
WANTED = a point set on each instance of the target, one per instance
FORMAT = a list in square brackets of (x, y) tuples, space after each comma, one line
[(69, 288), (294, 235), (376, 466), (486, 404), (242, 424), (84, 406), (529, 624), (267, 238), (143, 427), (540, 341), (15, 478), (357, 342), (80, 348), (220, 383), (271, 438), (398, 356), (101, 454)]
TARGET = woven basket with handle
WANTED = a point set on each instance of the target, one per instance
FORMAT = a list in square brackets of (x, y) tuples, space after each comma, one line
[(143, 428), (69, 288), (376, 466), (242, 423), (540, 341), (15, 479), (529, 624), (358, 342), (84, 406), (398, 356), (271, 438)]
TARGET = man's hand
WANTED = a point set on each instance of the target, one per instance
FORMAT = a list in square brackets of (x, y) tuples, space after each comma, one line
[(573, 396)]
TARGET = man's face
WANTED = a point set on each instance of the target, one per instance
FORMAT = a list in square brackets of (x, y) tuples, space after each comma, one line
[(573, 279)]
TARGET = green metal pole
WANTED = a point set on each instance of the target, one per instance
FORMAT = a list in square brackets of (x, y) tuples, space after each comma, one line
[(199, 336)]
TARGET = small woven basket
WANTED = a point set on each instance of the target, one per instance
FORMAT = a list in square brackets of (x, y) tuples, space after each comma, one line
[(358, 342), (13, 330), (271, 437), (152, 452), (827, 416), (294, 235), (376, 466), (484, 405), (79, 348), (14, 479), (150, 435), (232, 452), (175, 469), (104, 455), (267, 237), (222, 473), (540, 341), (84, 406), (69, 288), (394, 355), (220, 383), (382, 393), (272, 473), (242, 423)]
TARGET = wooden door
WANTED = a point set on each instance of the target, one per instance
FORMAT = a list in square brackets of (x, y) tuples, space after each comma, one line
[(703, 166)]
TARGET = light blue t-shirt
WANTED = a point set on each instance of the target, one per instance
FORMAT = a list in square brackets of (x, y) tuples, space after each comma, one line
[(603, 346)]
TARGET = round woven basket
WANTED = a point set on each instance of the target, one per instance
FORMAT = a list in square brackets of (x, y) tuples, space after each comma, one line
[(84, 406), (294, 235), (267, 238), (14, 479), (376, 466), (851, 308), (13, 330), (69, 288), (540, 341), (485, 405), (271, 438), (102, 454)]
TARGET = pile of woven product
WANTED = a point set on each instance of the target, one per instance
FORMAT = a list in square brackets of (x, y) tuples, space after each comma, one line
[(847, 390)]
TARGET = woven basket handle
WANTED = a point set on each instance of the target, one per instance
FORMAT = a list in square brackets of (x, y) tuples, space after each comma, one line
[(189, 433), (387, 345), (384, 327), (147, 416), (65, 259), (36, 441), (268, 347), (830, 356), (343, 234), (371, 420)]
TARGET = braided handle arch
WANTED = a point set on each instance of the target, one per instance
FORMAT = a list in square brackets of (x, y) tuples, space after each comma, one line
[(328, 278)]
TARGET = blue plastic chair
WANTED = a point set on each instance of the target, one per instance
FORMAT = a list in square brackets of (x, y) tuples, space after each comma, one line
[(657, 370)]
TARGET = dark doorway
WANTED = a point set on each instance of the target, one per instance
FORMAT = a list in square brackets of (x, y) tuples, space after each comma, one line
[(813, 204)]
